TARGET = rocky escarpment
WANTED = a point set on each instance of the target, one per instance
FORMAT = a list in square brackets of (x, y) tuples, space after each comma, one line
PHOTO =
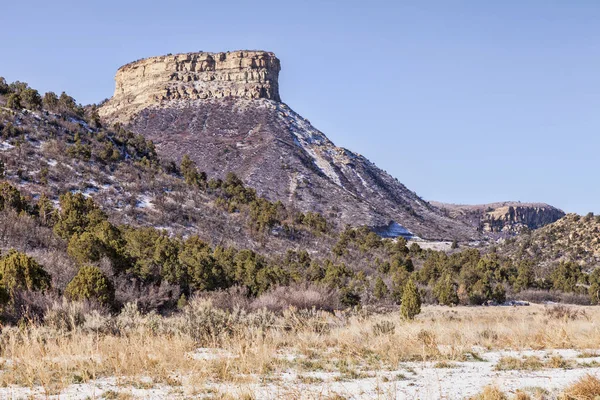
[(226, 114), (191, 76), (506, 218)]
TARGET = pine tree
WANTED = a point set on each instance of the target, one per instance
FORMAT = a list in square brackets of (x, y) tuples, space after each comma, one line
[(411, 301)]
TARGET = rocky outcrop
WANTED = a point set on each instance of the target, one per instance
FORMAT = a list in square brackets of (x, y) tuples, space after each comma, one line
[(502, 219), (224, 111), (192, 76)]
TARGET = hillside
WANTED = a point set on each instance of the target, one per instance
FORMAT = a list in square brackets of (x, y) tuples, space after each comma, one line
[(225, 111), (80, 197), (571, 238)]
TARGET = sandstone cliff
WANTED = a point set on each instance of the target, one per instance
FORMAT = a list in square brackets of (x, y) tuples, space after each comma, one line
[(505, 218), (238, 74), (224, 110)]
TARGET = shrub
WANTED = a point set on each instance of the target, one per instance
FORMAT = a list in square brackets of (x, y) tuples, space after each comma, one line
[(206, 324), (349, 297), (384, 328), (411, 301), (90, 284), (19, 271), (302, 297), (67, 316)]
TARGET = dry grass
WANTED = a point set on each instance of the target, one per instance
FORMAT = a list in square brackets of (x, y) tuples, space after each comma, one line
[(490, 393), (163, 350), (587, 388), (532, 363)]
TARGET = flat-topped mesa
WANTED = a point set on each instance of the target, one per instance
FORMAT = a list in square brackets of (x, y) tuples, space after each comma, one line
[(192, 76)]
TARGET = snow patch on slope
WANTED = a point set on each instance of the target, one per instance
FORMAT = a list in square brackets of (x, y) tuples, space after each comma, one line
[(393, 230), (312, 141)]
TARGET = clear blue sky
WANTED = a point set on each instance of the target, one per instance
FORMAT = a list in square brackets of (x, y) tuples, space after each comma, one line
[(462, 101)]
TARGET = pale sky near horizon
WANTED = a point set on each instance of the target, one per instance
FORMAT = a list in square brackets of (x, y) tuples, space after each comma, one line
[(462, 101)]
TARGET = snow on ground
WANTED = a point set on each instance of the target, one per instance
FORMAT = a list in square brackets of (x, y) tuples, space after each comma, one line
[(393, 230), (89, 191), (4, 146), (145, 201), (411, 380), (312, 141), (432, 245)]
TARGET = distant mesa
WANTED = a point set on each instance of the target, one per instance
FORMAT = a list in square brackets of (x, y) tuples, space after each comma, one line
[(503, 218)]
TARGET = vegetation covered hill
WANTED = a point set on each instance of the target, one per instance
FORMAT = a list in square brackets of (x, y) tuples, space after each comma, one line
[(225, 111), (573, 238), (92, 213)]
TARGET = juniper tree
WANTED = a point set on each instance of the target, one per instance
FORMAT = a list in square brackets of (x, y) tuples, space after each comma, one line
[(411, 301), (14, 101), (381, 290), (445, 291), (90, 283)]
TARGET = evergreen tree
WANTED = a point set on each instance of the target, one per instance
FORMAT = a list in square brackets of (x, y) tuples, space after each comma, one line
[(411, 301), (46, 211), (77, 214), (594, 288), (190, 172), (445, 291), (91, 284), (50, 101), (14, 101), (566, 276), (67, 103), (31, 98), (381, 290), (4, 88), (19, 271), (525, 276)]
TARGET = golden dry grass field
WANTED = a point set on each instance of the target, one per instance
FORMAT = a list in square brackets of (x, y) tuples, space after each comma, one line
[(534, 351)]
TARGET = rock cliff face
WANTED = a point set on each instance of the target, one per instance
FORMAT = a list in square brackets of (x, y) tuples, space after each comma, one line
[(224, 110), (192, 76), (503, 219)]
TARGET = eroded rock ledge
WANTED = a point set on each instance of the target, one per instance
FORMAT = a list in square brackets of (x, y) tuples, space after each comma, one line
[(192, 76), (505, 218)]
